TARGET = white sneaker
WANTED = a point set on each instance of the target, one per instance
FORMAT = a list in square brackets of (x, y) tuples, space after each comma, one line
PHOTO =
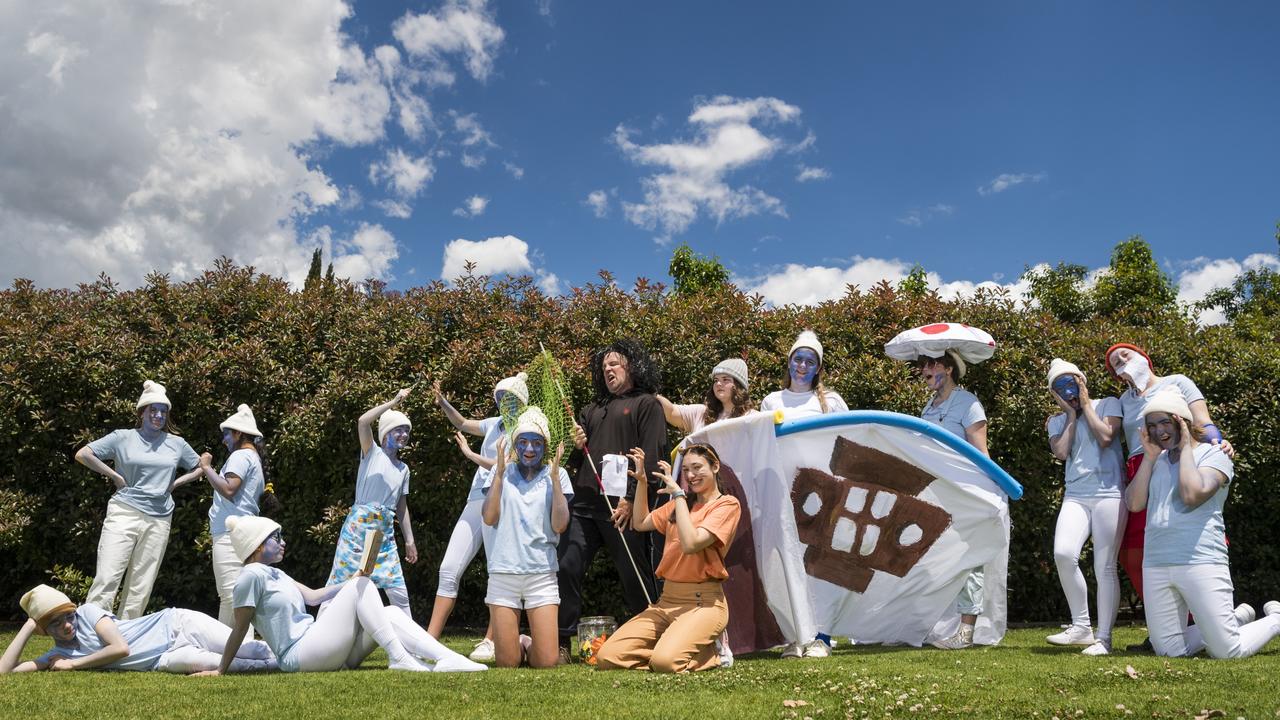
[(1245, 614), (816, 649), (408, 663), (792, 651), (1099, 647), (483, 651), (961, 640), (722, 649), (1074, 635), (454, 662), (1272, 607)]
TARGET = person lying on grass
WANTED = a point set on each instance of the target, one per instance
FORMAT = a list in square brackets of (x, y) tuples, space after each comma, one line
[(347, 630), (90, 638)]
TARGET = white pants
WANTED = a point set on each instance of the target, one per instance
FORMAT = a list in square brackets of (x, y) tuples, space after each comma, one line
[(226, 569), (1104, 519), (130, 549), (352, 624), (196, 643), (468, 535), (969, 601), (1206, 592)]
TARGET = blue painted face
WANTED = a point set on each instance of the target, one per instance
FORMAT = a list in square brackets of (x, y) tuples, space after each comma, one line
[(273, 548), (804, 365), (155, 416), (530, 447), (396, 439), (228, 439), (1067, 388)]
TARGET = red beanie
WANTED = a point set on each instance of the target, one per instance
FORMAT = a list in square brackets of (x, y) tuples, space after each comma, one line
[(1107, 358)]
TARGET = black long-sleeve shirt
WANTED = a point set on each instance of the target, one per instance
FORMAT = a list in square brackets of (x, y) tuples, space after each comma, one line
[(633, 419)]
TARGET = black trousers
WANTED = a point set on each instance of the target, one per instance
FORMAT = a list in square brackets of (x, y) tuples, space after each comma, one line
[(589, 529)]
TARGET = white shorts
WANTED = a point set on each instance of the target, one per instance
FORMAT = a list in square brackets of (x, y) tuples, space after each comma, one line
[(522, 591)]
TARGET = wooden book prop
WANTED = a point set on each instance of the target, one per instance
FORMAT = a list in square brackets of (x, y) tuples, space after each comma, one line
[(369, 555)]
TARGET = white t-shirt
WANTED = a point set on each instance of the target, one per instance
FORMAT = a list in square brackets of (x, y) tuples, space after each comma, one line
[(523, 541), (960, 411), (1092, 470), (796, 405), (1132, 405), (1177, 535), (280, 614), (148, 637), (492, 429), (380, 481), (148, 468), (246, 465)]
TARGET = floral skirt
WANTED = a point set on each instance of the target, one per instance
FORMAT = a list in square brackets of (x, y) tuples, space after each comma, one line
[(346, 558)]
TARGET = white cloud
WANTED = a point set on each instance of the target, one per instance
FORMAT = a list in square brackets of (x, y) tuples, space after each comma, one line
[(1004, 181), (472, 206), (916, 217), (807, 174), (220, 118), (598, 201), (402, 174), (394, 208), (516, 171), (464, 27), (502, 255), (1204, 275), (814, 284), (692, 176)]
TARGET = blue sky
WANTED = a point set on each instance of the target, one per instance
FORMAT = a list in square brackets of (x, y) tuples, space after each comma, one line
[(839, 143)]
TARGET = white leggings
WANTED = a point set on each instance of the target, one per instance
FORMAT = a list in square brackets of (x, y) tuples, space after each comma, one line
[(196, 642), (1104, 519), (1205, 591), (468, 535), (352, 624)]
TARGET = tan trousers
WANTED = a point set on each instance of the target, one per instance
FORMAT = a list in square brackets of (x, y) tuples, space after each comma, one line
[(130, 549), (678, 634), (226, 570)]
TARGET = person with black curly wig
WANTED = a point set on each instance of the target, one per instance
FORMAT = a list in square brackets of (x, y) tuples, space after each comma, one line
[(624, 415)]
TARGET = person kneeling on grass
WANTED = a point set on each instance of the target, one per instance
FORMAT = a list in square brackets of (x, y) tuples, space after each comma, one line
[(353, 623), (527, 506), (678, 634), (1182, 485), (90, 638)]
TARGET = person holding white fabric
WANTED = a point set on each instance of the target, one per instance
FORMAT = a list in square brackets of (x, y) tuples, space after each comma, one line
[(135, 532), (960, 412), (1182, 485), (90, 638), (726, 398), (527, 505), (353, 623), (470, 533), (802, 393), (1084, 436), (236, 491), (382, 497)]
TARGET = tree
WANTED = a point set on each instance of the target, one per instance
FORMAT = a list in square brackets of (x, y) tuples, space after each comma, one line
[(695, 273), (1254, 292), (1134, 285), (328, 276), (313, 274), (1060, 291), (916, 283)]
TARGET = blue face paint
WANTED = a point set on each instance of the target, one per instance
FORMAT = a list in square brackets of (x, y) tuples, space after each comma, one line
[(530, 447), (804, 365), (1067, 388), (395, 440), (228, 440), (154, 417)]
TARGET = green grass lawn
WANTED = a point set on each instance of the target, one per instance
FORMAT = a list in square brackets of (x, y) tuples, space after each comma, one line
[(1024, 677)]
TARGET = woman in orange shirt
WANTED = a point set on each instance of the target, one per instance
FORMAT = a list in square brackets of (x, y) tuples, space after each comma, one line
[(678, 633)]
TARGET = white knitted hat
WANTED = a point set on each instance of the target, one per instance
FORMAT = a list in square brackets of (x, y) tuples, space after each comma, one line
[(1168, 401), (152, 394), (533, 420), (242, 421), (248, 532), (389, 421), (1060, 367), (516, 385), (41, 603), (806, 339), (735, 368)]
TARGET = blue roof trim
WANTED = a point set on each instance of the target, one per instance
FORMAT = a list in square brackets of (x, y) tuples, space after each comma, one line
[(907, 422)]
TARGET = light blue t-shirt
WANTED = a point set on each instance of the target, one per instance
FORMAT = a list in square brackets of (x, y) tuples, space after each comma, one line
[(149, 637), (492, 428), (960, 410), (380, 481), (147, 468), (1132, 405), (246, 465), (1177, 535), (1092, 470), (523, 541), (280, 614)]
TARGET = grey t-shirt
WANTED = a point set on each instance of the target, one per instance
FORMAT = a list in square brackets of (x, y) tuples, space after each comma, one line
[(959, 411), (148, 467), (246, 465), (280, 614), (1176, 534), (1092, 470), (1133, 404)]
